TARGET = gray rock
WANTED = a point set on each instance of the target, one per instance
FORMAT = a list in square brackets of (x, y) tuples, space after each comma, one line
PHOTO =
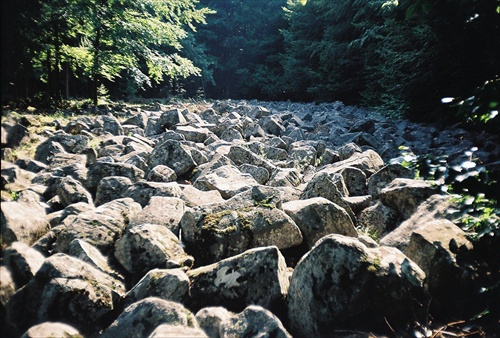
[(147, 246), (217, 235), (228, 180), (254, 321), (437, 247), (378, 220), (253, 130), (386, 175), (172, 284), (23, 222), (231, 134), (109, 124), (165, 211), (285, 177), (174, 155), (272, 125), (193, 134), (329, 186), (100, 170), (344, 285), (257, 276), (23, 262), (171, 118), (143, 191), (111, 188), (68, 290), (260, 174), (162, 173), (99, 227), (348, 150), (140, 119), (141, 318), (368, 161), (7, 287), (47, 150), (91, 255), (318, 217), (195, 197), (176, 331), (405, 195), (302, 153), (355, 181), (71, 191), (69, 143), (56, 218), (240, 155), (51, 329), (210, 319)]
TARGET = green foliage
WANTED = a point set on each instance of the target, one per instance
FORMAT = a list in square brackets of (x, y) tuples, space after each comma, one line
[(469, 182)]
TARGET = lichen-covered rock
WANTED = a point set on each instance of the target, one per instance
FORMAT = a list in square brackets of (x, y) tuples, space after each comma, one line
[(147, 246), (193, 134), (174, 155), (165, 211), (22, 261), (257, 276), (162, 173), (254, 321), (143, 191), (195, 197), (168, 284), (260, 174), (368, 161), (22, 222), (405, 195), (111, 188), (210, 319), (91, 255), (240, 155), (65, 289), (285, 177), (52, 329), (318, 217), (176, 331), (100, 170), (386, 175), (355, 181), (7, 287), (379, 219), (435, 207), (100, 227), (71, 191), (228, 180), (70, 143), (437, 247), (341, 284), (141, 318), (216, 235), (170, 118)]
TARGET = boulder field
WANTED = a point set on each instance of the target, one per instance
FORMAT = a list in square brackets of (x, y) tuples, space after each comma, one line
[(233, 219)]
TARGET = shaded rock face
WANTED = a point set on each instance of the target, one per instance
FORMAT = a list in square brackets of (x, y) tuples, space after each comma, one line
[(136, 225)]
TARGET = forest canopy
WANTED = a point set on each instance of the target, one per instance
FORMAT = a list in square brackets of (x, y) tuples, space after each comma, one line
[(412, 58)]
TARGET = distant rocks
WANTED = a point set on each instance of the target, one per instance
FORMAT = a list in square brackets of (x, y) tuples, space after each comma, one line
[(228, 219)]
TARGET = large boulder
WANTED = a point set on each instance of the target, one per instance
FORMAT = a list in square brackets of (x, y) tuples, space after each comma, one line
[(254, 321), (210, 319), (318, 217), (165, 211), (435, 207), (174, 155), (147, 246), (52, 329), (439, 248), (341, 284), (23, 222), (168, 284), (176, 331), (405, 195), (23, 262), (257, 276), (72, 191), (368, 161), (141, 318), (216, 235), (91, 255), (143, 191), (100, 170), (100, 227), (386, 175), (65, 289), (228, 180), (111, 188)]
